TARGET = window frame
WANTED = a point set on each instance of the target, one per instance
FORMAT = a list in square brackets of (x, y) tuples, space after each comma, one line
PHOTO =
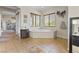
[(32, 14), (49, 20), (44, 21)]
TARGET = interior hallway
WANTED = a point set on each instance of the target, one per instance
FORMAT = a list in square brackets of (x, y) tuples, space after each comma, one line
[(14, 44)]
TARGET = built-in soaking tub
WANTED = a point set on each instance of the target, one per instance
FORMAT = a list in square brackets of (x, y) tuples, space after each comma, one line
[(42, 33)]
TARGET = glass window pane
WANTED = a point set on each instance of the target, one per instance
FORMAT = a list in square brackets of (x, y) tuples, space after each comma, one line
[(33, 20), (37, 21), (52, 20), (46, 22)]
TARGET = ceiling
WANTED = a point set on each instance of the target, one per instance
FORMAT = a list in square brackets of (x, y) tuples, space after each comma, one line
[(41, 8), (38, 8)]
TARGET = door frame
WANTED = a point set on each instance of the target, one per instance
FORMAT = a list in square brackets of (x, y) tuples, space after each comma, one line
[(70, 33)]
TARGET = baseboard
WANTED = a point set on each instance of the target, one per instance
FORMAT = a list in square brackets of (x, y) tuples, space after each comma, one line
[(62, 38)]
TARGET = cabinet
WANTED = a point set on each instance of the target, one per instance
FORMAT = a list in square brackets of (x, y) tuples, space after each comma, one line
[(24, 33), (75, 40)]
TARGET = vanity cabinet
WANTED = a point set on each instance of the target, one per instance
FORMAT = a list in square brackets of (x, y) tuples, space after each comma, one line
[(24, 33), (75, 32), (75, 40)]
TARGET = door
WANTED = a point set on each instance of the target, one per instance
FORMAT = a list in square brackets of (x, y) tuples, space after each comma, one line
[(74, 35)]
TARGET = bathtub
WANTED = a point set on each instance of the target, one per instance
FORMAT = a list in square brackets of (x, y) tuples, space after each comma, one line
[(42, 33)]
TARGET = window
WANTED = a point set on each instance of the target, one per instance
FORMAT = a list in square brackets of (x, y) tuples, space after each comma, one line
[(35, 20), (46, 22), (52, 20), (49, 20)]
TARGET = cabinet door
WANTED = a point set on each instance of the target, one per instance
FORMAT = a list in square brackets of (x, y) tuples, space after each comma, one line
[(24, 33), (75, 40)]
